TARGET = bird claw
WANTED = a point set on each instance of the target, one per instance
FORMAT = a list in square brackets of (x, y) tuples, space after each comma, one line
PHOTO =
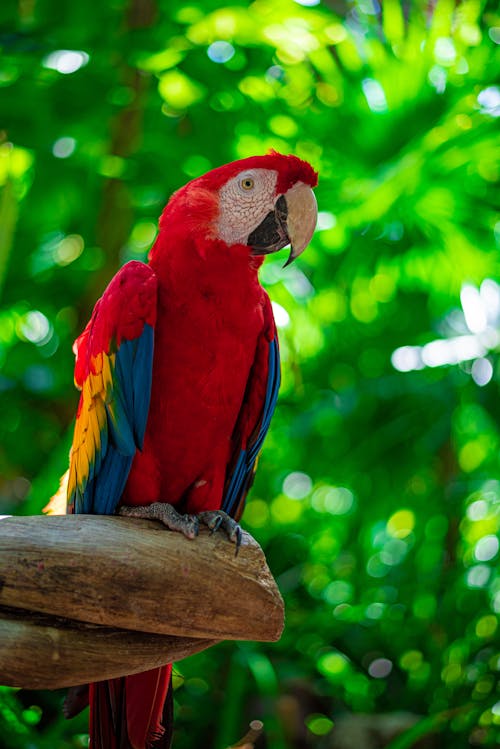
[(216, 519), (216, 525), (239, 536), (166, 513), (188, 525)]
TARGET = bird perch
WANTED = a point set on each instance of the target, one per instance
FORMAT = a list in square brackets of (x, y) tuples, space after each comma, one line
[(86, 598)]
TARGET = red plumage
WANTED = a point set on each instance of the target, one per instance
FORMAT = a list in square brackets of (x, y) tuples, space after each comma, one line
[(212, 392), (205, 341)]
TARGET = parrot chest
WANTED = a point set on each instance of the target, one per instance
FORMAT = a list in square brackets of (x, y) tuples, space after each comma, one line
[(204, 351)]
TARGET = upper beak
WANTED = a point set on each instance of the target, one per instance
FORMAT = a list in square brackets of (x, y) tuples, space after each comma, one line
[(292, 221), (302, 218)]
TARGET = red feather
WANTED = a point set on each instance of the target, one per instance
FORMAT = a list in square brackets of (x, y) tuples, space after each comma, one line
[(290, 170), (127, 713), (127, 307), (205, 342)]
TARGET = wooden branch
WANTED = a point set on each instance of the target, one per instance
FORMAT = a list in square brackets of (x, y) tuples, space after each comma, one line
[(134, 574), (154, 595), (44, 652)]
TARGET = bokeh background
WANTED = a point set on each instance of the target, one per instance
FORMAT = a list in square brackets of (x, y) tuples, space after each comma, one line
[(377, 496)]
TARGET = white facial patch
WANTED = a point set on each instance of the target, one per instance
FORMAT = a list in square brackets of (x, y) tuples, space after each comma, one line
[(244, 203)]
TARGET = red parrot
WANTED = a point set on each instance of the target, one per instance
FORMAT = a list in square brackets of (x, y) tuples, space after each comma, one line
[(179, 374)]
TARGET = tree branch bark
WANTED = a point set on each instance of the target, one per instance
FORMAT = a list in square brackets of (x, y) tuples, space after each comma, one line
[(46, 652), (85, 597)]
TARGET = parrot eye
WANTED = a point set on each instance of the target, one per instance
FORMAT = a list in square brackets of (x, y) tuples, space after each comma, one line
[(247, 183)]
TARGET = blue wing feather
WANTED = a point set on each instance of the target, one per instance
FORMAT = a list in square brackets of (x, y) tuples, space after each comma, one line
[(142, 373), (244, 468), (100, 494), (127, 415), (116, 391)]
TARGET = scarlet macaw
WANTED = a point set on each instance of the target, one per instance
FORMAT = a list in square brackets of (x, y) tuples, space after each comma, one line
[(179, 374)]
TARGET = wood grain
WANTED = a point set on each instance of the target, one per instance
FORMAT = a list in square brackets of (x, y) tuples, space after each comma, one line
[(42, 652), (85, 598), (135, 574)]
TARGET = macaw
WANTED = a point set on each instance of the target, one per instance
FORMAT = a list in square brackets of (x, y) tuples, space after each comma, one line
[(179, 374)]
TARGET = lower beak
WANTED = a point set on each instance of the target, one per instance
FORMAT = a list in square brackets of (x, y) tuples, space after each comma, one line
[(292, 221)]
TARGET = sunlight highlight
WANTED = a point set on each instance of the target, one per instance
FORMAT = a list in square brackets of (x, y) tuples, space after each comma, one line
[(375, 95), (66, 61), (480, 315)]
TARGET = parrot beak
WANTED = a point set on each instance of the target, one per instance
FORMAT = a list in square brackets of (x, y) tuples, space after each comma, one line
[(302, 218), (292, 221)]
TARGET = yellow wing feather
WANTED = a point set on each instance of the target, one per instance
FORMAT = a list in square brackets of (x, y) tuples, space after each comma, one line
[(90, 421)]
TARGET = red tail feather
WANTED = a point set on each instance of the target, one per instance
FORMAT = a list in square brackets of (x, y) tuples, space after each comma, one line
[(133, 712)]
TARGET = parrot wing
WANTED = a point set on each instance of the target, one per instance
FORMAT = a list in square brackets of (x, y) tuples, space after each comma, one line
[(254, 418), (113, 370)]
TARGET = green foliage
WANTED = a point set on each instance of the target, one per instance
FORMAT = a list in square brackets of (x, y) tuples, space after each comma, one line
[(377, 496)]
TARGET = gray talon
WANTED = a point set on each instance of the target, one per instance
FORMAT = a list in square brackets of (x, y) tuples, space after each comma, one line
[(239, 536), (216, 519), (188, 525), (216, 525)]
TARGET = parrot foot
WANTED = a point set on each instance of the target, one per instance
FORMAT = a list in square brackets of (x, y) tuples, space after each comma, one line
[(167, 514), (216, 519)]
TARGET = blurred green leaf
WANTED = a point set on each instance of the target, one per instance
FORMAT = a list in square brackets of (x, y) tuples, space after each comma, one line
[(377, 494)]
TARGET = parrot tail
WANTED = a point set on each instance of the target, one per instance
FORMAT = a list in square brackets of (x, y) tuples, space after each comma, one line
[(132, 712)]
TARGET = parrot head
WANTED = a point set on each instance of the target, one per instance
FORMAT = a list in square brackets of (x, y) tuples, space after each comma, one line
[(259, 204)]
